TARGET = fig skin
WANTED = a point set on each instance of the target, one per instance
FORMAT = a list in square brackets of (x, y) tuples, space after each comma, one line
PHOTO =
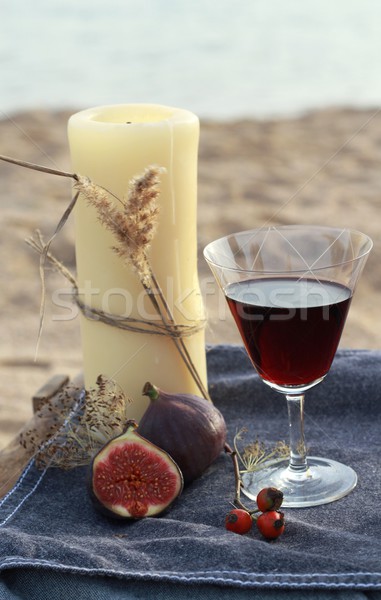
[(131, 466), (189, 428)]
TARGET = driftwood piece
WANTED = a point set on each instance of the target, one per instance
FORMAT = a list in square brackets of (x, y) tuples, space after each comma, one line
[(48, 390), (14, 458)]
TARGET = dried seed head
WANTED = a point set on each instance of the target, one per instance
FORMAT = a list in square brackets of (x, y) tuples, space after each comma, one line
[(256, 453), (76, 430)]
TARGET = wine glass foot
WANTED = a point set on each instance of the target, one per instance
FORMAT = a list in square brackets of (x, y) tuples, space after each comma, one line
[(324, 481)]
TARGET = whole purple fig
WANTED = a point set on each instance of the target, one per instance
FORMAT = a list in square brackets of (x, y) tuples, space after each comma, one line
[(189, 428)]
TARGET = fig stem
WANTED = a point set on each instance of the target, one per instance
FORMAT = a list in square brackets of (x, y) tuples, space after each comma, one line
[(130, 424), (151, 391)]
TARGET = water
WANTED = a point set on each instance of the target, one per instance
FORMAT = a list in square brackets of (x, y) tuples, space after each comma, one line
[(219, 58)]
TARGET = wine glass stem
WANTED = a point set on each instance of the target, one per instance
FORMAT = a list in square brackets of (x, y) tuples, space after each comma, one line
[(298, 459)]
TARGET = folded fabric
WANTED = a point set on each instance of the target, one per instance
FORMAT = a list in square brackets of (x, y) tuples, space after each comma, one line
[(48, 521)]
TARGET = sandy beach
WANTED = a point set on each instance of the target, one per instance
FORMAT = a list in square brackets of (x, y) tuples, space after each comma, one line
[(320, 168)]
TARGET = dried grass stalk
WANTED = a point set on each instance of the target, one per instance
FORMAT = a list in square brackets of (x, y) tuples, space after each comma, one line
[(133, 226)]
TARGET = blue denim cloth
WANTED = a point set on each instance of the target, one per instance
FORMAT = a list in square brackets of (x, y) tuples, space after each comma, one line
[(33, 584), (47, 521)]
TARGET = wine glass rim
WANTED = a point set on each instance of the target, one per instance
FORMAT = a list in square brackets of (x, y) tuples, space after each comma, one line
[(340, 230)]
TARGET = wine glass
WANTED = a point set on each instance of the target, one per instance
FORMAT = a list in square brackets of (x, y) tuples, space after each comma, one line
[(289, 289)]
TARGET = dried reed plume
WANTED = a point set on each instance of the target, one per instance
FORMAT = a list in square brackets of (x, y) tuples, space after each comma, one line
[(133, 225)]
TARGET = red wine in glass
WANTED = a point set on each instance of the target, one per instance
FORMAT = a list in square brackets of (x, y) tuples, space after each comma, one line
[(290, 327), (289, 288)]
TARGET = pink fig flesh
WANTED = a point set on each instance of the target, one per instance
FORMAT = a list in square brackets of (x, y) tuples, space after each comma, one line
[(133, 478)]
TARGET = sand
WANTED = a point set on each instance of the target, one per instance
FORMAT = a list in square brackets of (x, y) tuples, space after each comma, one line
[(320, 168)]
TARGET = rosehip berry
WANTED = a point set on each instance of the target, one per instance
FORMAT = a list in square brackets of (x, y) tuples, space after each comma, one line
[(269, 498), (238, 520), (271, 524)]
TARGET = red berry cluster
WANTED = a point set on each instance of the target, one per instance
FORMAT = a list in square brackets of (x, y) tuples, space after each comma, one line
[(270, 523)]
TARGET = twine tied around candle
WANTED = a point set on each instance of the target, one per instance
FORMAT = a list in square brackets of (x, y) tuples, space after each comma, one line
[(174, 330), (126, 323), (133, 224)]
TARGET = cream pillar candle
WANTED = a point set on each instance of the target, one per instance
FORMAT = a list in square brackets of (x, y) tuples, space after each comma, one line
[(110, 145)]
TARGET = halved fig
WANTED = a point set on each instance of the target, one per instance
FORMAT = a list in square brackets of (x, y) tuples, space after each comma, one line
[(132, 478)]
